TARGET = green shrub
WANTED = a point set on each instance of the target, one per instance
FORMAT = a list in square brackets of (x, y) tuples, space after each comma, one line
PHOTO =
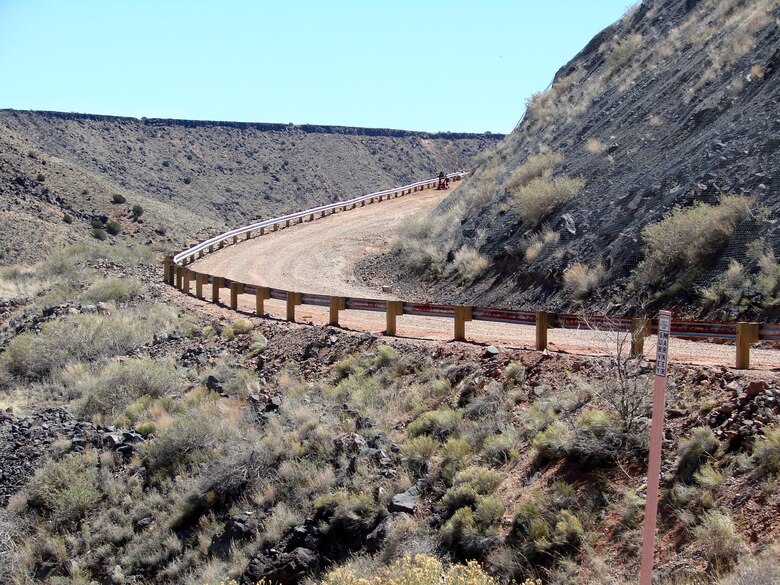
[(543, 196), (469, 533), (417, 451), (550, 443), (118, 198), (118, 290), (437, 423), (455, 452), (483, 480), (459, 496), (228, 333), (766, 451), (694, 452), (137, 212), (85, 338), (243, 384), (259, 344), (65, 490), (97, 224), (188, 439), (67, 218), (113, 227), (116, 386), (99, 234), (688, 239), (501, 449), (41, 177), (242, 326), (595, 422)]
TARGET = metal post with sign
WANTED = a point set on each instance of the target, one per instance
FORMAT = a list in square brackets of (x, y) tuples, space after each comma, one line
[(656, 442)]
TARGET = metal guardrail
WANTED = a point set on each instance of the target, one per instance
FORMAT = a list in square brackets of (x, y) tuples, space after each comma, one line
[(189, 254), (176, 274)]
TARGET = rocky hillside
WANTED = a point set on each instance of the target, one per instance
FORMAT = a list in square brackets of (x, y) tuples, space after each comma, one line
[(646, 175), (191, 178)]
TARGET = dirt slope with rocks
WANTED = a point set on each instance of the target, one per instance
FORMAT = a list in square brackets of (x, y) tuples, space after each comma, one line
[(674, 105), (192, 178)]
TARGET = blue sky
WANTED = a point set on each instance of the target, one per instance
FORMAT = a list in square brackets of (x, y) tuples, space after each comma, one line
[(424, 65)]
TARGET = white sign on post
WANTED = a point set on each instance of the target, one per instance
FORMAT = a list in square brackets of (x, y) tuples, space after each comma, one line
[(662, 348)]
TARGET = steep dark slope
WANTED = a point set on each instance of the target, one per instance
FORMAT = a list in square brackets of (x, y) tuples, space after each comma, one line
[(190, 177), (677, 103)]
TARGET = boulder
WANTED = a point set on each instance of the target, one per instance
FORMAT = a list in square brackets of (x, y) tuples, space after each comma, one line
[(405, 502), (281, 569)]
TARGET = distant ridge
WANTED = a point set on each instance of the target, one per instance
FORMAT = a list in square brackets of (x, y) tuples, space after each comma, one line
[(264, 126)]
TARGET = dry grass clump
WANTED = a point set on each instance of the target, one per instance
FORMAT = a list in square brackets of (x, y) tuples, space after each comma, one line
[(722, 543), (594, 146), (623, 51), (469, 263), (688, 238), (539, 243), (581, 280), (543, 196), (536, 166), (118, 290)]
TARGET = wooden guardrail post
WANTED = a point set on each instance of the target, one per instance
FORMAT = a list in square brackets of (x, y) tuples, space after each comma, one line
[(542, 323), (293, 299), (187, 280), (217, 282), (180, 277), (261, 294), (336, 304), (248, 236), (462, 314), (236, 288), (641, 328), (200, 280), (747, 333), (394, 310), (167, 262)]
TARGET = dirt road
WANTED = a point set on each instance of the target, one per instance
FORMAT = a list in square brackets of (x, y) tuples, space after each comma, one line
[(319, 257)]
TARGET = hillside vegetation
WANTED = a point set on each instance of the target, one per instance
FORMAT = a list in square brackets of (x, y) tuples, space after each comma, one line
[(646, 175), (70, 177), (145, 439)]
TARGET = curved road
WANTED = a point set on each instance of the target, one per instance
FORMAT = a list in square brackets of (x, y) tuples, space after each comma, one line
[(319, 257)]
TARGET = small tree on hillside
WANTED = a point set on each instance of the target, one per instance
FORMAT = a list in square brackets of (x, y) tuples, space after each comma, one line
[(138, 211)]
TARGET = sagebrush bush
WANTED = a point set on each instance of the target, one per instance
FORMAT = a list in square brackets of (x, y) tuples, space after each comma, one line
[(418, 451), (85, 338), (501, 448), (242, 326), (688, 238), (118, 290), (483, 480), (439, 424), (766, 451), (64, 491), (543, 196), (416, 570), (551, 442), (694, 451), (188, 439), (109, 391)]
